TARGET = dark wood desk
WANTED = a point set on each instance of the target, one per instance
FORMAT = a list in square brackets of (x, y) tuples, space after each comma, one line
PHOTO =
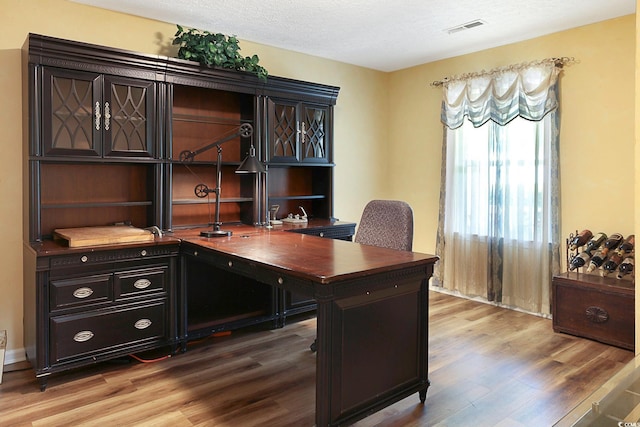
[(371, 318)]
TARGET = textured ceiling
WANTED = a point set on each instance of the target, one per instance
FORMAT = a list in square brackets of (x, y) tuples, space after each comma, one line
[(382, 35)]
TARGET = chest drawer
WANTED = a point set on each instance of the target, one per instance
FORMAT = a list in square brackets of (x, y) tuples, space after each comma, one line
[(87, 333), (598, 311), (144, 281), (73, 292)]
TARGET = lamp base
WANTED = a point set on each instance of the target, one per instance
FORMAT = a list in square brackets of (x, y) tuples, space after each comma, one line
[(216, 233)]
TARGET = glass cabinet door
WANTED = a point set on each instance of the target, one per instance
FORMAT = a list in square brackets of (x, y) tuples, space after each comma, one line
[(297, 132), (283, 131), (313, 137), (129, 109), (72, 113), (88, 114)]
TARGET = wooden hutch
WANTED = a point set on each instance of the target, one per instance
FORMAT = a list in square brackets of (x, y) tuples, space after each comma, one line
[(105, 131)]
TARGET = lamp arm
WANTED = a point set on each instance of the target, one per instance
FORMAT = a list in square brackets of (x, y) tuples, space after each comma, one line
[(245, 130)]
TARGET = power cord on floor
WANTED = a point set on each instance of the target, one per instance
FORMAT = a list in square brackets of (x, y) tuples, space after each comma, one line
[(214, 335), (158, 359)]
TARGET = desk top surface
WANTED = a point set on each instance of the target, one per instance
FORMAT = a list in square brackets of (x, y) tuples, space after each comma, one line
[(321, 260), (311, 257)]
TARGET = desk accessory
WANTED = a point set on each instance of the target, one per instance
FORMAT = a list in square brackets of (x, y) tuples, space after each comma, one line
[(249, 165)]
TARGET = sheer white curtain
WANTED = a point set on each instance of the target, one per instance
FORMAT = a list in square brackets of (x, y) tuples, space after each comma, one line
[(498, 233)]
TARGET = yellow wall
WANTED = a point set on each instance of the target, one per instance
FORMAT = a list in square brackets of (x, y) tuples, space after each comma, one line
[(388, 135), (637, 157), (597, 126)]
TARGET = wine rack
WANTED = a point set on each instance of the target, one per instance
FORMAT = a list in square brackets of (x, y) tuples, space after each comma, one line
[(593, 302), (610, 264)]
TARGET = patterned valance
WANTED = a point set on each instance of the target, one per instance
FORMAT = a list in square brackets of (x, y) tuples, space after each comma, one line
[(527, 90)]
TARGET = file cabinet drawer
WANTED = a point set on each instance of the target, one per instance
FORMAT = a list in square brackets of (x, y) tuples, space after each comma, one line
[(79, 291), (140, 282), (83, 334)]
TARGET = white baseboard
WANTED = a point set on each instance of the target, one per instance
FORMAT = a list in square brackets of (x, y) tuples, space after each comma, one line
[(14, 356)]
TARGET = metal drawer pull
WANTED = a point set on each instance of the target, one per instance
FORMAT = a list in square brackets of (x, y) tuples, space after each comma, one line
[(142, 283), (83, 336), (82, 292), (142, 324)]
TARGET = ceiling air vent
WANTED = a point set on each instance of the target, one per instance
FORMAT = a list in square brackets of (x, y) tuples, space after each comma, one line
[(467, 26)]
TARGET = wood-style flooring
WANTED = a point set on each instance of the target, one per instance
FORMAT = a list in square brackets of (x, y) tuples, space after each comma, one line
[(488, 366)]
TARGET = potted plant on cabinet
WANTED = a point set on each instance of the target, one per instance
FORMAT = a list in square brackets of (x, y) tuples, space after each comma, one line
[(216, 50)]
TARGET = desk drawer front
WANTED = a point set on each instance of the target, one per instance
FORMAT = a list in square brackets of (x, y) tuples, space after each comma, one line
[(140, 282), (253, 271), (83, 334), (67, 293)]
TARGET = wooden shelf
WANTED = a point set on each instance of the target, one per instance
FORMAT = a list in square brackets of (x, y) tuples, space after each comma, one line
[(205, 201), (193, 118), (302, 197), (94, 205)]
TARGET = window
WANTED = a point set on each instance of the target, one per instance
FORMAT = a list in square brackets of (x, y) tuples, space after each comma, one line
[(498, 177), (498, 231)]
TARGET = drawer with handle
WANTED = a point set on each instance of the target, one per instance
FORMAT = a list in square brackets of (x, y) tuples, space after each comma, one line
[(79, 291), (87, 333), (133, 283)]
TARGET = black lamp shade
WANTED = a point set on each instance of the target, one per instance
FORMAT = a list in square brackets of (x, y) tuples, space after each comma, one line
[(251, 164)]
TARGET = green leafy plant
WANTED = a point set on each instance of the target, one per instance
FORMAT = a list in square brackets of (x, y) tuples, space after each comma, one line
[(216, 50)]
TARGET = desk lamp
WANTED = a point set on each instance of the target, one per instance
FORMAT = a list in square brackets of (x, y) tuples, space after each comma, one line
[(249, 165)]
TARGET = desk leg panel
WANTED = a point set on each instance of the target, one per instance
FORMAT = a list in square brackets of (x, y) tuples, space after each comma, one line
[(376, 353)]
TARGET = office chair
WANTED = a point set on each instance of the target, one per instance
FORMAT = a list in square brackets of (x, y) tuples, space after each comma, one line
[(387, 224)]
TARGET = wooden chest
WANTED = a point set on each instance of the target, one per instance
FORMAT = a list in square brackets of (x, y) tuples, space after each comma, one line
[(595, 307)]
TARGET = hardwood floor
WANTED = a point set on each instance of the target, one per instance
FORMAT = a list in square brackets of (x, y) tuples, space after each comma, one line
[(488, 367)]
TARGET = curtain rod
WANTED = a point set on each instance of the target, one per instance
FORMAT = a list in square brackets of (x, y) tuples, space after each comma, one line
[(559, 62)]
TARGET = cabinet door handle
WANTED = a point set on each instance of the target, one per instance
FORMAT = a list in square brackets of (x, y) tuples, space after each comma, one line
[(82, 292), (304, 132), (83, 336), (107, 116), (142, 283), (98, 116), (142, 324)]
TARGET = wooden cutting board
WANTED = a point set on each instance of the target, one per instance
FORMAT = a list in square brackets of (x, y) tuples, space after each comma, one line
[(109, 235)]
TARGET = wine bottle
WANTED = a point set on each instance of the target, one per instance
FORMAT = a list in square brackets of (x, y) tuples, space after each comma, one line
[(595, 242), (580, 239), (612, 263), (597, 260), (626, 267), (580, 260), (612, 242), (627, 246)]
